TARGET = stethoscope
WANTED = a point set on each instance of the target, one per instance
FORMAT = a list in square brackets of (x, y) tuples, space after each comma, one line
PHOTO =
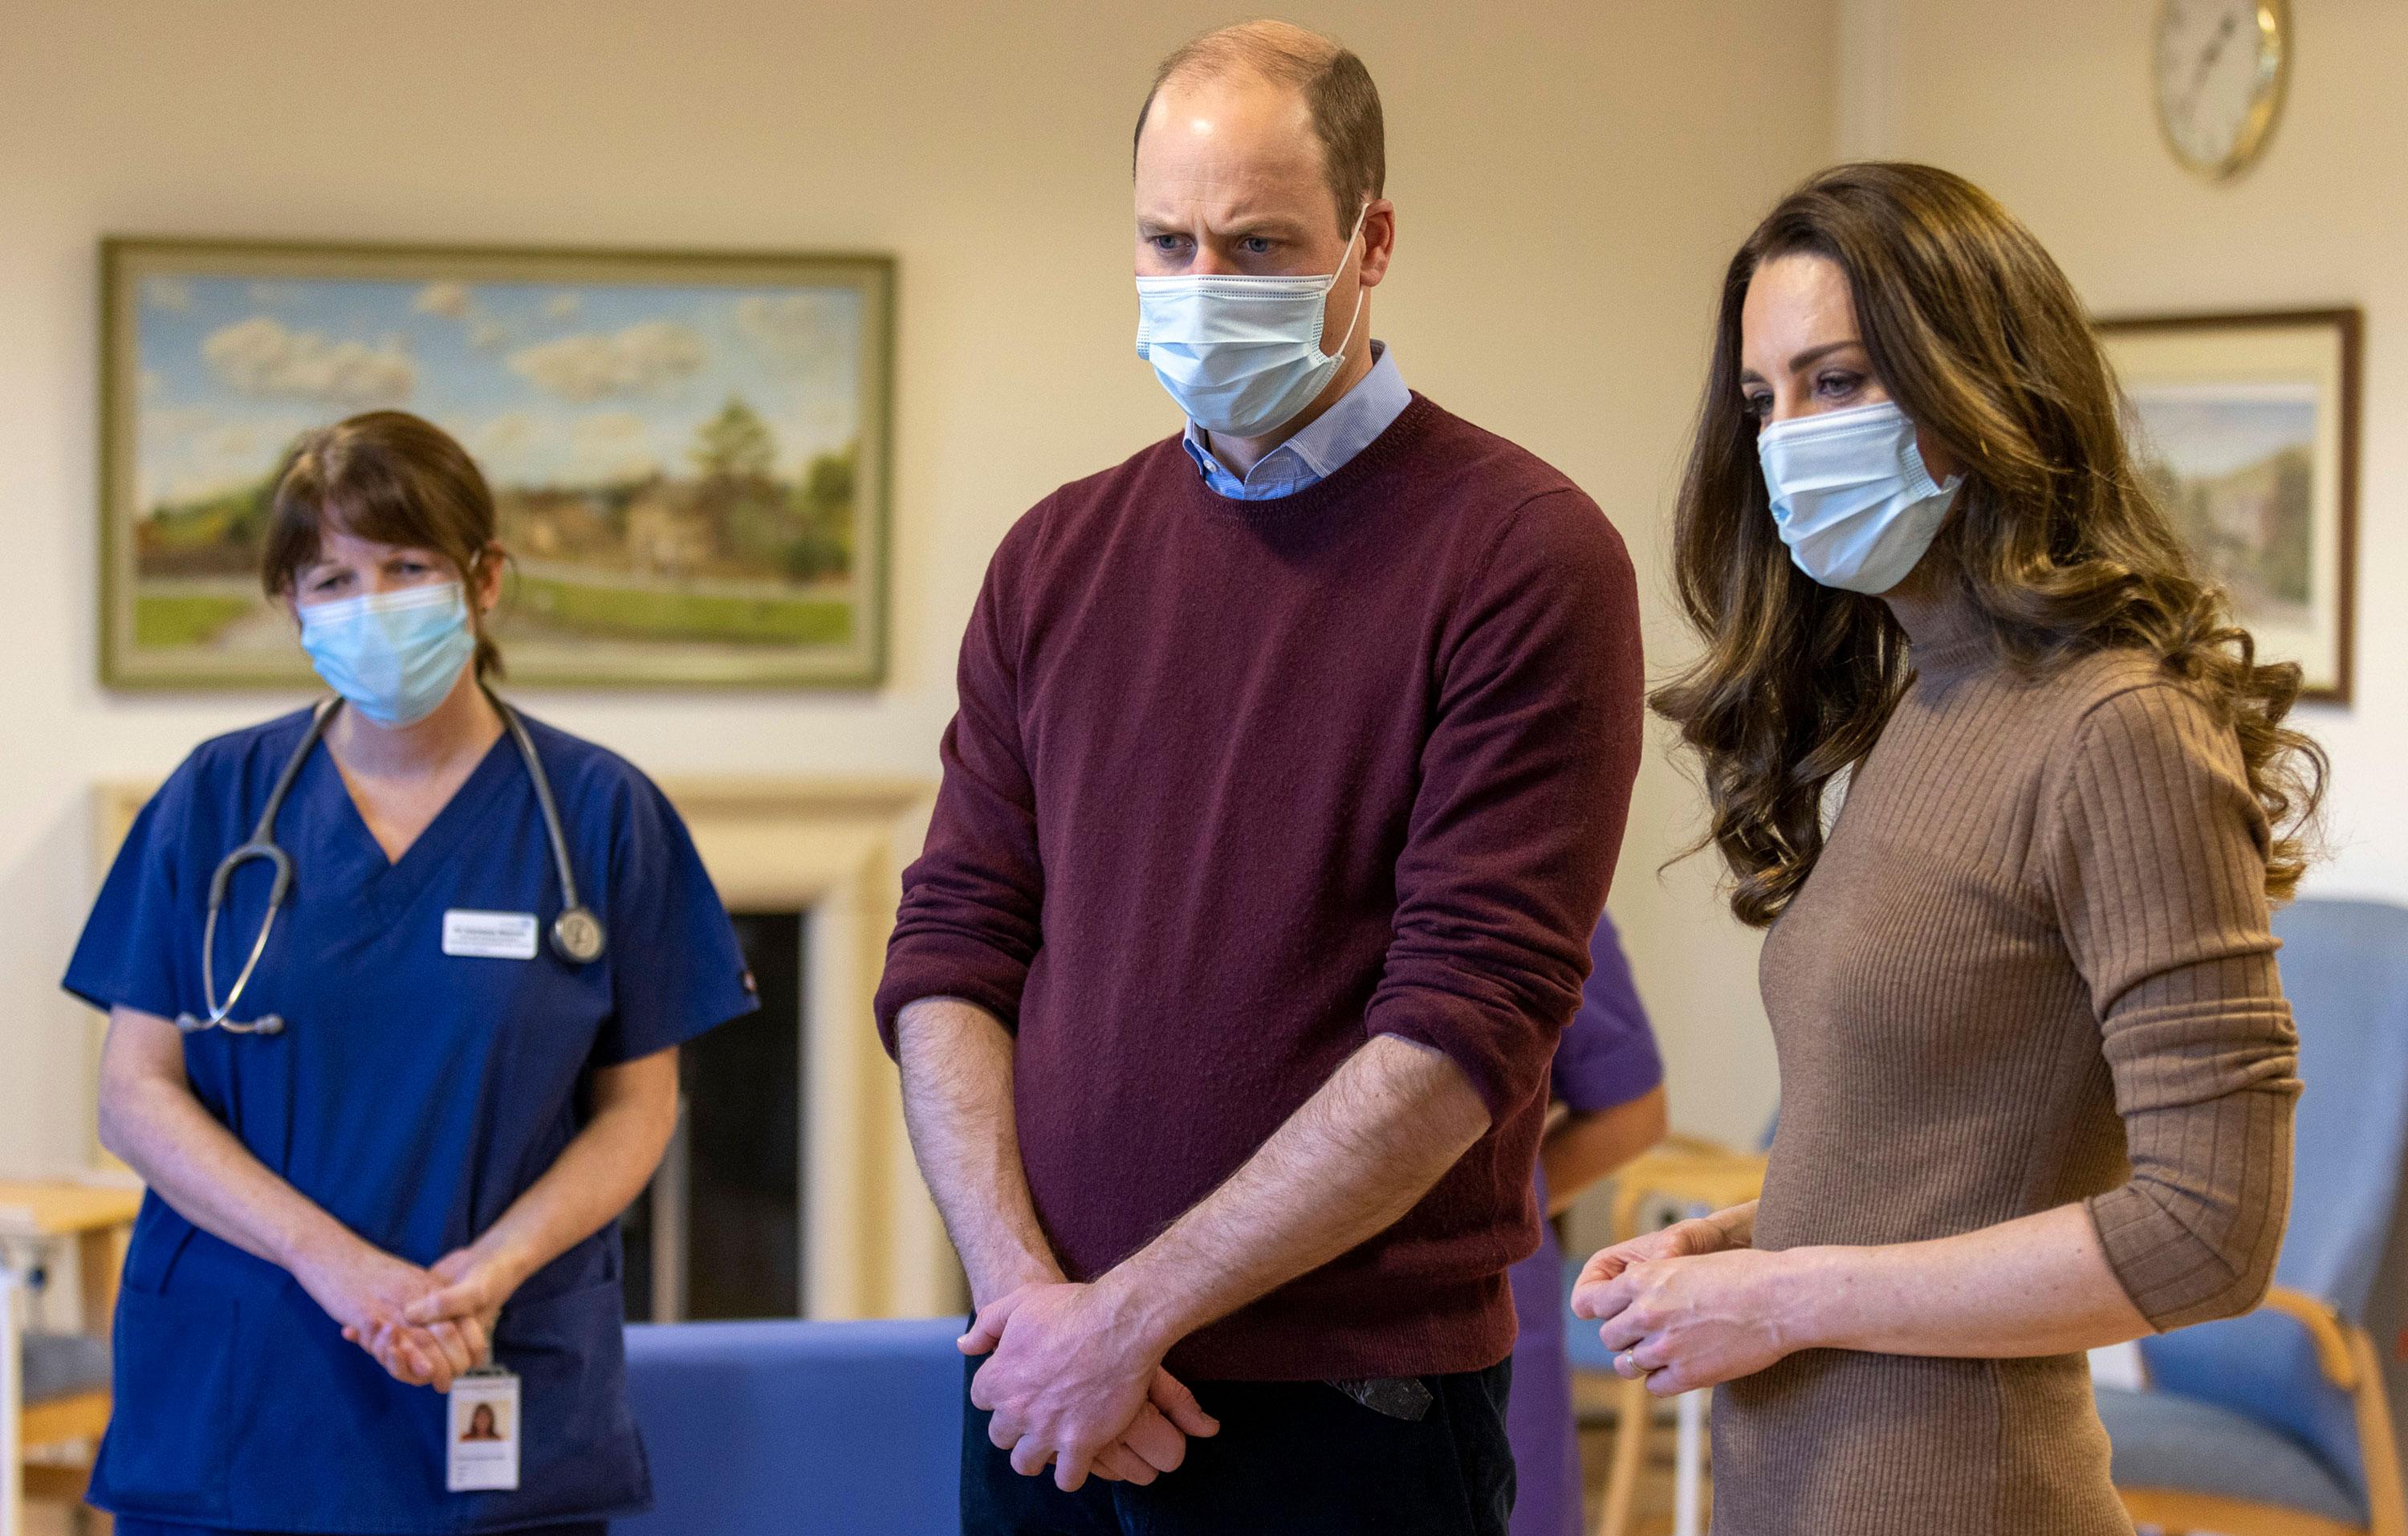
[(576, 933)]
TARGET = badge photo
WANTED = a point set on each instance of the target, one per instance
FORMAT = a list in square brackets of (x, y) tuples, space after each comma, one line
[(483, 1443)]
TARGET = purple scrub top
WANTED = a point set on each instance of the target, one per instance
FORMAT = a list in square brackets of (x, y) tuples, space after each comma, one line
[(1606, 1057)]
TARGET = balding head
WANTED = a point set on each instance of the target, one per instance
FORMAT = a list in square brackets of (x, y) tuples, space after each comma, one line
[(1340, 103)]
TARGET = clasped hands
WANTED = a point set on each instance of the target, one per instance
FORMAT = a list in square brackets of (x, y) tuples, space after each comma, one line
[(1683, 1308), (1075, 1380), (426, 1326)]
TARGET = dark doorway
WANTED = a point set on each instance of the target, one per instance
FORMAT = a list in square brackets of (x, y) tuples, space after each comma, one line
[(728, 1207)]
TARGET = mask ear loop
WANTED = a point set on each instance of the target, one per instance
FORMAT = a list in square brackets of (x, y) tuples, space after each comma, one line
[(1356, 318)]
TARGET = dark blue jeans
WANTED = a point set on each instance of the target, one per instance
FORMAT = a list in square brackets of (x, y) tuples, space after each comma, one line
[(1291, 1456)]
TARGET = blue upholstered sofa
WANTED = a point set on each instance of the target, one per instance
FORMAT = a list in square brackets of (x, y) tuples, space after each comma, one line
[(799, 1428)]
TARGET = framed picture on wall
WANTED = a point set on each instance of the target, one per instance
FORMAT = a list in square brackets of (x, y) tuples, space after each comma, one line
[(2248, 426), (689, 452)]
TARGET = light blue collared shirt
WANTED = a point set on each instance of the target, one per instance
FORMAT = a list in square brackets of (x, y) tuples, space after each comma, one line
[(1315, 454)]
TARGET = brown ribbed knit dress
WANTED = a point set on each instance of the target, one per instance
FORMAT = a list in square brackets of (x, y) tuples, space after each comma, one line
[(2032, 967)]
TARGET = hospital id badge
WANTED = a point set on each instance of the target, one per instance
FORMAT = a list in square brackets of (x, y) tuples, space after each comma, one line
[(484, 1431)]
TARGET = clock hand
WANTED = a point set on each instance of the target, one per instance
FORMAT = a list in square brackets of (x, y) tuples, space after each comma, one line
[(2207, 63)]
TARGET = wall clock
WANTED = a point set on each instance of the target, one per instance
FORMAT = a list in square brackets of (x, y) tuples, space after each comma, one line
[(2221, 66)]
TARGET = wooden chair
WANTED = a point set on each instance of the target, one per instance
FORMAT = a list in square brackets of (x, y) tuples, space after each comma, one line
[(1692, 1176), (58, 1386), (2278, 1423), (2294, 1494)]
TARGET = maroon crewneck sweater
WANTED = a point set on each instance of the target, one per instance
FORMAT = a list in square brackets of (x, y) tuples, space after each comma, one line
[(1234, 786)]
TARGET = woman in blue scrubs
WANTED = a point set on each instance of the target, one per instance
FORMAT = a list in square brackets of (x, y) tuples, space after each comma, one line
[(1609, 1080), (418, 1167)]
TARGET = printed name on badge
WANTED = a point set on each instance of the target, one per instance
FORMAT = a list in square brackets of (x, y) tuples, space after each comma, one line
[(491, 935)]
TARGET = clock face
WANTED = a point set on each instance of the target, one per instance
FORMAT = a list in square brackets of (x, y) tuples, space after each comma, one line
[(2220, 66)]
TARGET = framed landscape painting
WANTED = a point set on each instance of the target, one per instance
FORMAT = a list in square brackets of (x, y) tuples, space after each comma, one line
[(688, 452), (2246, 425)]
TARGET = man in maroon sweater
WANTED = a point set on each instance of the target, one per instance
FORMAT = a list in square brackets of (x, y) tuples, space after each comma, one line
[(1292, 760)]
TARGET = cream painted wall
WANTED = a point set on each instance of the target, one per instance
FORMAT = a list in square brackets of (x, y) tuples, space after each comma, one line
[(2048, 104), (1569, 177)]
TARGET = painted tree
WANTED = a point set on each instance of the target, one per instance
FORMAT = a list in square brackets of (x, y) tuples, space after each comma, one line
[(736, 444), (824, 504), (739, 497)]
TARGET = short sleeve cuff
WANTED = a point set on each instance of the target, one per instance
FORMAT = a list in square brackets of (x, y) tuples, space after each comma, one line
[(107, 993), (1611, 1075), (705, 1014)]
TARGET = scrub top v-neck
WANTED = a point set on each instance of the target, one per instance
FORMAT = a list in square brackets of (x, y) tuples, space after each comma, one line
[(414, 1094)]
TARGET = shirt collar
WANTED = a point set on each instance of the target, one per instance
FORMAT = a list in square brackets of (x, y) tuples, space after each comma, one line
[(1323, 446)]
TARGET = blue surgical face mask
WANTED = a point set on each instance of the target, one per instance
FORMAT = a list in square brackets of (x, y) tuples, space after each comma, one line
[(1242, 354), (1851, 497), (392, 655)]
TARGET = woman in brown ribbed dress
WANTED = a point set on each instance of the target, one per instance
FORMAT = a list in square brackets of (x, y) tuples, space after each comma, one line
[(2036, 1067)]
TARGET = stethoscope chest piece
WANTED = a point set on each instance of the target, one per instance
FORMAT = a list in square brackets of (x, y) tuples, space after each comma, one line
[(577, 937)]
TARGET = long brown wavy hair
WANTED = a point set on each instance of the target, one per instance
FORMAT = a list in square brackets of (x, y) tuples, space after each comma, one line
[(2055, 537)]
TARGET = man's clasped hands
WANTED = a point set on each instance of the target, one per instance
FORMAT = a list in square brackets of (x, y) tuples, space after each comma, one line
[(1074, 1379)]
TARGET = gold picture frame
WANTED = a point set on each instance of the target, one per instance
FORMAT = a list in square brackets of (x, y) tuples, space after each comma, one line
[(691, 450), (2248, 425)]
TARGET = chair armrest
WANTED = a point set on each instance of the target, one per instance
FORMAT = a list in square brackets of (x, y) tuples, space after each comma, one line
[(50, 1208), (100, 1263), (1694, 1174), (2334, 1354)]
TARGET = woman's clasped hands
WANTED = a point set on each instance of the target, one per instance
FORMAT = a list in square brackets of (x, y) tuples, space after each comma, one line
[(1690, 1306), (426, 1326)]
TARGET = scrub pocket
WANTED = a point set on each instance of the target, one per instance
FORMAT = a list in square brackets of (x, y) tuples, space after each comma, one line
[(171, 1429), (579, 1453)]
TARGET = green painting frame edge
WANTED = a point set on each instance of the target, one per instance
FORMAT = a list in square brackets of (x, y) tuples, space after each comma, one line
[(2348, 323), (115, 420)]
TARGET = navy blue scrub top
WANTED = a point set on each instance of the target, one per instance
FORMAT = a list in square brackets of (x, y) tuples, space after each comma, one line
[(413, 1095)]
